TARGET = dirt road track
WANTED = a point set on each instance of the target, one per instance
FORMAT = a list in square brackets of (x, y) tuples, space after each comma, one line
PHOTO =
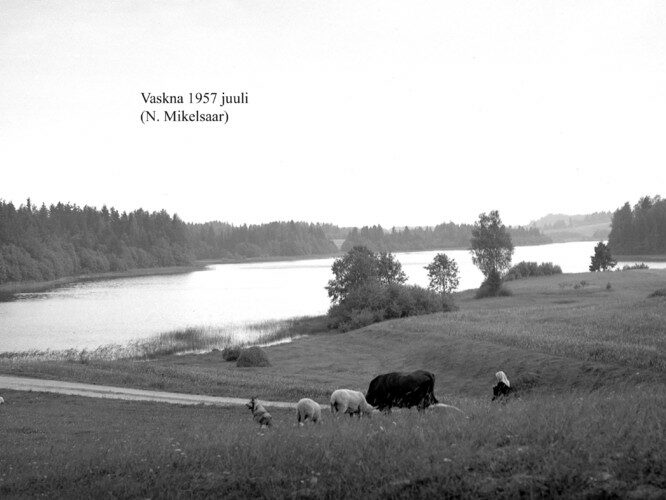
[(105, 391)]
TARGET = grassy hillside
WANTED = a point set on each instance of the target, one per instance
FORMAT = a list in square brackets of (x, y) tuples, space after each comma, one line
[(589, 361), (553, 333), (595, 232)]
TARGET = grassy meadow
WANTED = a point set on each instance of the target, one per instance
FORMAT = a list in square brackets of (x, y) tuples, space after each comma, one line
[(587, 353)]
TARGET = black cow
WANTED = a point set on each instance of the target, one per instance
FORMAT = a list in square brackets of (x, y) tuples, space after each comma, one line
[(402, 390)]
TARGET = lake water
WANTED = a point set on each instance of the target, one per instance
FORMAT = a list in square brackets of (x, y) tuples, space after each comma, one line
[(88, 315)]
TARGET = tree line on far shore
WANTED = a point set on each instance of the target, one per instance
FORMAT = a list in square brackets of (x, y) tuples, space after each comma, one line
[(46, 243), (447, 235)]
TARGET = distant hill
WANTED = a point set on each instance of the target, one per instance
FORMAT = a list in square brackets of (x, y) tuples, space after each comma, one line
[(580, 227)]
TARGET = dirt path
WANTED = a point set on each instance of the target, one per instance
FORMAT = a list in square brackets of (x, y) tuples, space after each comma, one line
[(105, 391)]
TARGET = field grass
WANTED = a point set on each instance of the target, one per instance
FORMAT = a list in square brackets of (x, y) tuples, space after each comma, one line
[(589, 363), (605, 443)]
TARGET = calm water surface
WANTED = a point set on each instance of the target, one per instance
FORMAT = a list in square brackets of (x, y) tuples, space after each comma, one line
[(87, 315)]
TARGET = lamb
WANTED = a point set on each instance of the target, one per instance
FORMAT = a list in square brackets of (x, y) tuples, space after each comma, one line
[(261, 416), (307, 408), (352, 402)]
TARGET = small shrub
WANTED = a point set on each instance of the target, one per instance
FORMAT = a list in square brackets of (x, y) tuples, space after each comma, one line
[(530, 269), (485, 292), (609, 286), (252, 357), (658, 293), (231, 353), (359, 319), (642, 265), (492, 287)]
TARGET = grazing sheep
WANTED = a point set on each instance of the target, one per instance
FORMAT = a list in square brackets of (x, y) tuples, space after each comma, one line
[(261, 416), (308, 409), (352, 402), (503, 387)]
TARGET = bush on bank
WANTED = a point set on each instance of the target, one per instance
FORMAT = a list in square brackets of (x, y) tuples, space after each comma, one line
[(373, 302), (530, 269)]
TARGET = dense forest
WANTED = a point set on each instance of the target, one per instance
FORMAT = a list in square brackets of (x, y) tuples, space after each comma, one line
[(46, 243), (447, 235), (214, 240), (38, 244), (641, 230)]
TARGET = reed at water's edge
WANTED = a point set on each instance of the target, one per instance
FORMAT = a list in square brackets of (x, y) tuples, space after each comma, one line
[(186, 340)]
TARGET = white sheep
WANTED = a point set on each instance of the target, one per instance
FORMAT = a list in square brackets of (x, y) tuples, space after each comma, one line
[(2, 400), (352, 402), (308, 409)]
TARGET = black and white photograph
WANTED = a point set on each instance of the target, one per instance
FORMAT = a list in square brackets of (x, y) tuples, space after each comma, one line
[(328, 250)]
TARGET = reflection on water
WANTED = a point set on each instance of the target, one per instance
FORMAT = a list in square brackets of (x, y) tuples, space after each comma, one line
[(90, 314)]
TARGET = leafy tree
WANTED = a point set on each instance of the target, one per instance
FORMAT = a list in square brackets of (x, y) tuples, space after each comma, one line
[(443, 274), (602, 258), (359, 267), (389, 269), (492, 248)]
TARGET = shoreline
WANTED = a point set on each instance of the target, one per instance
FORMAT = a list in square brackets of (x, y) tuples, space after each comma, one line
[(270, 258), (8, 289), (43, 286)]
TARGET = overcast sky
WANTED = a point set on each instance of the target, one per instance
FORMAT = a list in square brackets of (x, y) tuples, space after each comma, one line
[(399, 113)]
